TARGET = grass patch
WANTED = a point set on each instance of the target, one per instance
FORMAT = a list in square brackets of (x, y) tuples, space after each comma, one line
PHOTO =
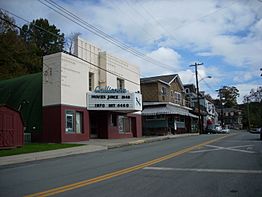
[(31, 148)]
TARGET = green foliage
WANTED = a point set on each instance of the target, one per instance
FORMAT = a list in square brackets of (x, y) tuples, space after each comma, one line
[(228, 95), (21, 51), (31, 148), (45, 37), (6, 23), (252, 113)]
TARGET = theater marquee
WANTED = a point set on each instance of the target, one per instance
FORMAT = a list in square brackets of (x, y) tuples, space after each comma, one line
[(113, 100)]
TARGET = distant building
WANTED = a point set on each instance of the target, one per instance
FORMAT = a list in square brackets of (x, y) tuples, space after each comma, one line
[(164, 106), (208, 112), (90, 94), (231, 117)]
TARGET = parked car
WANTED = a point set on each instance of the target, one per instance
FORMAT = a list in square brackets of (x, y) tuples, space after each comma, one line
[(225, 130), (214, 128), (255, 130), (218, 128)]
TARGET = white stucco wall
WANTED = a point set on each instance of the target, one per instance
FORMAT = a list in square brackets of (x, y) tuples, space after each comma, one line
[(70, 81), (118, 68), (66, 77), (75, 80), (86, 51), (51, 79)]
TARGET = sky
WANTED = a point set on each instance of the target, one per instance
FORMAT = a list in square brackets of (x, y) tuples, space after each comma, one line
[(224, 35)]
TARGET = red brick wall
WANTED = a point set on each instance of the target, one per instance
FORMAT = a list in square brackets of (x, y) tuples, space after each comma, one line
[(54, 124)]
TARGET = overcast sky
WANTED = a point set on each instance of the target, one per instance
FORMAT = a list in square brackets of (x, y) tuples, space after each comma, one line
[(225, 35)]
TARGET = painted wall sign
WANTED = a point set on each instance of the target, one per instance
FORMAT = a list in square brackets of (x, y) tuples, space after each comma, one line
[(114, 101)]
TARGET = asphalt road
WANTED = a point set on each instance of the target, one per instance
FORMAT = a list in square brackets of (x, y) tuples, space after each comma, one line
[(205, 165)]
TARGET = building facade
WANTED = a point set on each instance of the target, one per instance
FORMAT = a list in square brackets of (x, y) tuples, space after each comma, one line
[(208, 112), (164, 106), (230, 118), (90, 94)]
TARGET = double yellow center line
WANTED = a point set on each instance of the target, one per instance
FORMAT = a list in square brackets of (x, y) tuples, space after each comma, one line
[(119, 172)]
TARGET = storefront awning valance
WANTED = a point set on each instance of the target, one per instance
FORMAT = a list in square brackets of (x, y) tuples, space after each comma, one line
[(168, 109)]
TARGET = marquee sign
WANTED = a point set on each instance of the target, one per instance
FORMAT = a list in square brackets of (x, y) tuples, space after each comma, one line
[(113, 100)]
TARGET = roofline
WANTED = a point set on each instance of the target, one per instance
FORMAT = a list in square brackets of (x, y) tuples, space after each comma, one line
[(148, 103)]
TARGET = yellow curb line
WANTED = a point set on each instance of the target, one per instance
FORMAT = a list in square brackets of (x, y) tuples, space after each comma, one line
[(119, 172)]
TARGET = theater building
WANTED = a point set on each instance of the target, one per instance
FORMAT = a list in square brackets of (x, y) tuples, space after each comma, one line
[(90, 94)]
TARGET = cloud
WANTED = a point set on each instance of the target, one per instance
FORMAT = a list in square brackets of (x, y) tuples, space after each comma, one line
[(244, 89), (167, 56), (225, 35)]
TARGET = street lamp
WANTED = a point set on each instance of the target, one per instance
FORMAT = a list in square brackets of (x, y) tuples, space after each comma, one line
[(207, 77)]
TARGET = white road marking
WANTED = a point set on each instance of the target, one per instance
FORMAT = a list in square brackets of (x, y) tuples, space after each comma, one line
[(232, 148), (206, 170)]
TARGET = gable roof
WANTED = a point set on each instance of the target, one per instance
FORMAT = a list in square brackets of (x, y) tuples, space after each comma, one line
[(166, 79), (162, 78), (191, 87)]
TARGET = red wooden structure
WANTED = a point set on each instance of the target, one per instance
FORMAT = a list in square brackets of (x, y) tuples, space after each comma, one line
[(11, 127)]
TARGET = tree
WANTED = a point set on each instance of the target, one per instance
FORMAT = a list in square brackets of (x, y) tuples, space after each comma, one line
[(43, 37), (6, 23), (70, 40), (12, 49), (253, 108), (22, 49), (254, 96), (228, 95)]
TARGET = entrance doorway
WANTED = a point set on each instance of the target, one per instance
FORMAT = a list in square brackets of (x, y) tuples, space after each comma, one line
[(93, 126)]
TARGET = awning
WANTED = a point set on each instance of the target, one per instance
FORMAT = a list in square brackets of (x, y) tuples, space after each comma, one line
[(168, 109)]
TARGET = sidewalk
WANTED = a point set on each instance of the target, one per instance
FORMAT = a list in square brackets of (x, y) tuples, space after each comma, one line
[(89, 146)]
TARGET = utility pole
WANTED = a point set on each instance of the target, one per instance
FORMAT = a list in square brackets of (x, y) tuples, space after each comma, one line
[(198, 101), (222, 107)]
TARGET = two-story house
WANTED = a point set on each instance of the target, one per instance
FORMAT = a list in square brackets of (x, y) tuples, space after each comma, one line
[(208, 113), (164, 106), (90, 94)]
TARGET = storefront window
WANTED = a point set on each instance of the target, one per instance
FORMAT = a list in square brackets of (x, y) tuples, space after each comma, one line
[(69, 121), (79, 122), (73, 121)]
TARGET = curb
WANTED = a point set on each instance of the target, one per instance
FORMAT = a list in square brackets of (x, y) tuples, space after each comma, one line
[(153, 139), (17, 159)]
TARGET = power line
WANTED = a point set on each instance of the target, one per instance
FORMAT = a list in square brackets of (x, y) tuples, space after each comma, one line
[(65, 51), (108, 71), (129, 15), (75, 19)]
